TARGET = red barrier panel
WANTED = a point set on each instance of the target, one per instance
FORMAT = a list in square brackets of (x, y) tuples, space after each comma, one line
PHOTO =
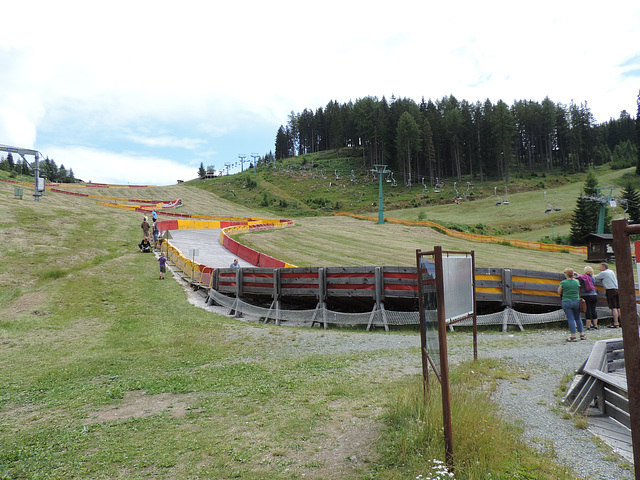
[(168, 225), (225, 224), (230, 245), (270, 262), (248, 254)]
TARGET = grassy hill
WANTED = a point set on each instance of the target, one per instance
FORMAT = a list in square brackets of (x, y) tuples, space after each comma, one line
[(319, 184), (109, 373)]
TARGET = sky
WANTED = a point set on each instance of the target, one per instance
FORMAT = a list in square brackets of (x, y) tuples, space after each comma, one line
[(140, 92)]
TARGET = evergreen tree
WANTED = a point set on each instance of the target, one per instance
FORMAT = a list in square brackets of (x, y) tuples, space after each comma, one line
[(585, 215), (201, 171), (631, 195), (408, 141)]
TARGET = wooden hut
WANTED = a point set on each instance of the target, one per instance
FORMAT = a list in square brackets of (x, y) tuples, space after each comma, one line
[(600, 247)]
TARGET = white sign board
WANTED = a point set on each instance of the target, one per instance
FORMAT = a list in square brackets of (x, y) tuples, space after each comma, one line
[(458, 287)]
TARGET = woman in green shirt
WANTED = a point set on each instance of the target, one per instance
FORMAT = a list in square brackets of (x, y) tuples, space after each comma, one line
[(570, 290)]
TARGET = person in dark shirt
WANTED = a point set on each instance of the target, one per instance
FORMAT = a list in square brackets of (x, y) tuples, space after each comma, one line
[(145, 245)]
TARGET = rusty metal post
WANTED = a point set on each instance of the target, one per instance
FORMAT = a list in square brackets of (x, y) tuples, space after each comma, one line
[(423, 325), (444, 361), (629, 324)]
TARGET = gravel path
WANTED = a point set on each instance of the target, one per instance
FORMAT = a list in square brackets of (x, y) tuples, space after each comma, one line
[(530, 402)]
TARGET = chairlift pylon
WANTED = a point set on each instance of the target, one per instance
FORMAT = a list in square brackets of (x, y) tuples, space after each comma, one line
[(495, 192)]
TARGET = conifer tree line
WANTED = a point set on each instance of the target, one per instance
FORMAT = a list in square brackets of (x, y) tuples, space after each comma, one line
[(452, 138), (48, 169)]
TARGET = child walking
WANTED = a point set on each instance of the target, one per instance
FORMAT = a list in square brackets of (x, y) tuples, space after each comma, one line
[(162, 260)]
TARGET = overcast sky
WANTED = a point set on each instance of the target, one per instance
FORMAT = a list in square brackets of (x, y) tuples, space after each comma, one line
[(142, 92)]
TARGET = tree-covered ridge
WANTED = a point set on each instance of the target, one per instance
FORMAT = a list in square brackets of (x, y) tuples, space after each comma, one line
[(48, 169), (452, 138)]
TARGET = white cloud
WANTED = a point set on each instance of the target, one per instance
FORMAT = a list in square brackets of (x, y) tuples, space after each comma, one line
[(99, 166)]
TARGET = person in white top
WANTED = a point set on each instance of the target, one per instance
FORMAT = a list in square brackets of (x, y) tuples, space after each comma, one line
[(610, 283)]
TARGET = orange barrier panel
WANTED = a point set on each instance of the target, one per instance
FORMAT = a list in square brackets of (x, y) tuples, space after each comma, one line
[(476, 237)]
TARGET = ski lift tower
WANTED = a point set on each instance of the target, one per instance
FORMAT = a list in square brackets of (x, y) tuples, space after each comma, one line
[(603, 199), (380, 170), (39, 182)]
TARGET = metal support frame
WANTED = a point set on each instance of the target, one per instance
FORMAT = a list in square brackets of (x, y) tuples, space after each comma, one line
[(277, 292), (322, 296), (379, 300), (234, 308), (36, 168)]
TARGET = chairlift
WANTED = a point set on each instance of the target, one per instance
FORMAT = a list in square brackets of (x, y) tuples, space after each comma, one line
[(393, 181), (389, 176), (424, 187), (353, 177), (335, 173), (495, 192), (323, 173), (555, 203), (504, 199), (439, 185), (457, 199), (549, 206), (614, 203), (466, 193)]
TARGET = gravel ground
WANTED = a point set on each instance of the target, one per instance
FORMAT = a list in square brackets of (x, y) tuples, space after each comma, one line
[(527, 402)]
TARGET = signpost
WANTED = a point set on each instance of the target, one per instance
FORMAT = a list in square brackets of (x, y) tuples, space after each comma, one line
[(452, 274)]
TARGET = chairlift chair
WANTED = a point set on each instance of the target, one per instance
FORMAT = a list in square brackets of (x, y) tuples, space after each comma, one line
[(424, 187), (504, 199), (555, 203), (495, 192), (549, 206), (439, 185), (457, 199)]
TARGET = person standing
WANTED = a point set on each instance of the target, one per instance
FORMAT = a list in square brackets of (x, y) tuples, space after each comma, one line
[(156, 233), (590, 296), (145, 227), (162, 261), (569, 289), (234, 264), (610, 284)]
